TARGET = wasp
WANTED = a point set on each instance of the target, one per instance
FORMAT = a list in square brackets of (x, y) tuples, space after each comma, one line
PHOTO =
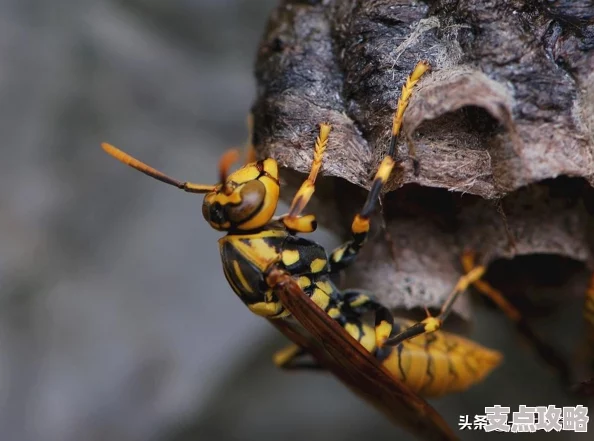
[(288, 279)]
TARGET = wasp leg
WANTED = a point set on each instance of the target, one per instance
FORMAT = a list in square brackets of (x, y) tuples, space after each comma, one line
[(270, 307), (360, 303), (388, 239), (412, 155), (293, 357), (544, 350), (432, 324), (468, 262), (293, 219), (346, 253)]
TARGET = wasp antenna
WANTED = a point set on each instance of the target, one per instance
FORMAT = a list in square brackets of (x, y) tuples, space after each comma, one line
[(250, 149), (228, 158), (153, 173)]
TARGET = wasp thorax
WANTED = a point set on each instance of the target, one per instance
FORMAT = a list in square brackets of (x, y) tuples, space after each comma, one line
[(246, 201)]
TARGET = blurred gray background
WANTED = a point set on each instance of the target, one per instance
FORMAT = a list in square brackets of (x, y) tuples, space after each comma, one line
[(115, 319)]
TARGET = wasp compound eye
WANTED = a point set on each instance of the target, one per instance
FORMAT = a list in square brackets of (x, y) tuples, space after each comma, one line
[(205, 212), (216, 214), (213, 212), (252, 197)]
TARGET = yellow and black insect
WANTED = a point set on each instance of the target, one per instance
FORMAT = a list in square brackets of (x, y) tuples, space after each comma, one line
[(286, 278)]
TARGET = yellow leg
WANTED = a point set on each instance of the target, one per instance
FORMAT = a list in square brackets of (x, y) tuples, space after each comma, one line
[(293, 220), (411, 81), (432, 324), (544, 350), (345, 254), (293, 357), (468, 262), (284, 356)]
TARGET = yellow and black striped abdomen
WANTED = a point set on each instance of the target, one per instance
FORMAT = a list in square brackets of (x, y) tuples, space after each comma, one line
[(432, 364), (439, 363)]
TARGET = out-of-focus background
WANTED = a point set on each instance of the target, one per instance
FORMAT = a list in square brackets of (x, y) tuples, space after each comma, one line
[(115, 319)]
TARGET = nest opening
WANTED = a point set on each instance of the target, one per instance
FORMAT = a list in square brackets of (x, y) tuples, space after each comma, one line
[(537, 283), (470, 127), (437, 205)]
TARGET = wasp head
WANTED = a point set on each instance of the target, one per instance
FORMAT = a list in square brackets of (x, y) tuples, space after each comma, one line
[(244, 200)]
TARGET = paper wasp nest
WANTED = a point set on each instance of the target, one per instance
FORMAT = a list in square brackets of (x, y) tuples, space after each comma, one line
[(503, 129)]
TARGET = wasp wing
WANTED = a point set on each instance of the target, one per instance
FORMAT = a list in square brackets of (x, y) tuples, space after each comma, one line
[(355, 367)]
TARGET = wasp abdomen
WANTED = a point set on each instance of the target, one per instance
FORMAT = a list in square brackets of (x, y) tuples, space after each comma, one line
[(440, 363)]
